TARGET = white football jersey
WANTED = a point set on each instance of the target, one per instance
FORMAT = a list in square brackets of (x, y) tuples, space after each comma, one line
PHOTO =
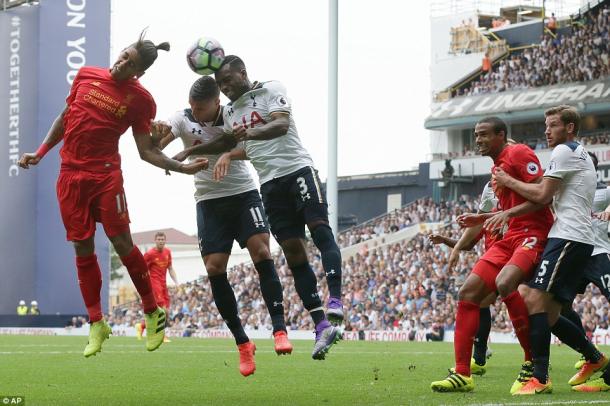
[(600, 228), (573, 201), (489, 201), (191, 132), (271, 158)]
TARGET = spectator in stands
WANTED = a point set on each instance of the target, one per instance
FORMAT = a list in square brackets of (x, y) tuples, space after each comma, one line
[(34, 310), (552, 24), (486, 66), (22, 309), (437, 333)]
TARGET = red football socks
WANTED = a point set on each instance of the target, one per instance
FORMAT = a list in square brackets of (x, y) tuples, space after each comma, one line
[(517, 310), (90, 283), (466, 326), (138, 271)]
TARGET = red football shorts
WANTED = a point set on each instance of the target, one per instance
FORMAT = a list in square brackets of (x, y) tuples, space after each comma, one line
[(89, 197), (161, 295), (521, 250)]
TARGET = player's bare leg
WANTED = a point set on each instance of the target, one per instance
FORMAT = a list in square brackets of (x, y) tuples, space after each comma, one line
[(271, 288), (306, 286)]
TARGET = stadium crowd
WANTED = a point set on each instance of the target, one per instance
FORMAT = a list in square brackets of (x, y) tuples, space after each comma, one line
[(580, 56), (401, 286)]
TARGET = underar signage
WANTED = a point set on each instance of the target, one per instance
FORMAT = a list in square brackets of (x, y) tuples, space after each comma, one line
[(529, 99)]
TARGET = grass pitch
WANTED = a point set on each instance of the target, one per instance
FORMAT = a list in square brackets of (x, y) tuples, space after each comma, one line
[(52, 371)]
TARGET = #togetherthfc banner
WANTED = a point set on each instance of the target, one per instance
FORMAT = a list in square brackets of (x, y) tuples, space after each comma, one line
[(42, 46)]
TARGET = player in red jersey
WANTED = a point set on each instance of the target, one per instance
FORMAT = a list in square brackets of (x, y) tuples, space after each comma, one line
[(159, 262), (508, 262), (467, 241), (103, 103)]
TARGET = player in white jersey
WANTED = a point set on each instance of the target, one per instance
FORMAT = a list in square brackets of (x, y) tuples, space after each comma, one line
[(569, 182), (597, 270), (259, 116), (226, 211)]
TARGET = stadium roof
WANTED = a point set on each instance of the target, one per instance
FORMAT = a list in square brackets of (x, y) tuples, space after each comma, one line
[(174, 237)]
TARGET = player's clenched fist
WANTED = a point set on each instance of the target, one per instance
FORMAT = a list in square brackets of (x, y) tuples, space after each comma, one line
[(30, 158), (159, 130)]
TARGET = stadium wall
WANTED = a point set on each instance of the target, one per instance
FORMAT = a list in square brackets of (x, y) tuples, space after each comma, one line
[(61, 36), (366, 196)]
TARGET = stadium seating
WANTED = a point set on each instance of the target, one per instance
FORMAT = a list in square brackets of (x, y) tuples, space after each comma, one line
[(581, 56)]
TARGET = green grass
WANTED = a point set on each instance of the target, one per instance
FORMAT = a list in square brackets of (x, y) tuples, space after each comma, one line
[(52, 370)]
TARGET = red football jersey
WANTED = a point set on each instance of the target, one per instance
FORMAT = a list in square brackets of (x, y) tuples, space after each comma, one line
[(100, 110), (158, 262), (520, 162)]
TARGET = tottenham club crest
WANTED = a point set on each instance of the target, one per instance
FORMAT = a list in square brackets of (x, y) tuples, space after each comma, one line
[(532, 168)]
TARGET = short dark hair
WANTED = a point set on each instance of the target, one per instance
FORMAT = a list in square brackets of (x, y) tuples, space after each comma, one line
[(567, 114), (234, 62), (594, 159), (147, 50), (205, 88), (497, 124), (160, 234)]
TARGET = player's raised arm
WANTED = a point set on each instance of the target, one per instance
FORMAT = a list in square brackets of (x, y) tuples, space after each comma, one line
[(55, 134), (154, 156)]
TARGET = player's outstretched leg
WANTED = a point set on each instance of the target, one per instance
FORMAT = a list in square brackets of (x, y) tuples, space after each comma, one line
[(323, 238), (568, 312), (98, 333), (572, 336), (155, 328)]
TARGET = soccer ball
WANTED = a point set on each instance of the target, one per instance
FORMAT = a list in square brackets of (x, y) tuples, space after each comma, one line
[(205, 56)]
